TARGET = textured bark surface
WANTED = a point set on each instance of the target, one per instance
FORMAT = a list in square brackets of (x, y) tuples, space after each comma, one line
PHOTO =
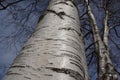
[(106, 69), (106, 29), (55, 51)]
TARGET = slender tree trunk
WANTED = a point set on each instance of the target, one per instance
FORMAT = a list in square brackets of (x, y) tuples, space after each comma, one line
[(55, 51), (106, 70), (106, 29)]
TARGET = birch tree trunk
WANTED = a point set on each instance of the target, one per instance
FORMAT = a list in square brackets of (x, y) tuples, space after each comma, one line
[(55, 51)]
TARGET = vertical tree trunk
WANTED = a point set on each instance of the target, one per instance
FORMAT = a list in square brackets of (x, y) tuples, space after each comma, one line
[(55, 51)]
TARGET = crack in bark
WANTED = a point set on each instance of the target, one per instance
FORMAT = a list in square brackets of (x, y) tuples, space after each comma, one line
[(73, 54), (72, 73), (76, 63), (60, 14), (55, 39), (11, 73), (77, 49), (70, 29), (27, 46), (48, 74), (27, 77), (17, 66), (41, 17), (72, 1), (23, 66), (80, 67)]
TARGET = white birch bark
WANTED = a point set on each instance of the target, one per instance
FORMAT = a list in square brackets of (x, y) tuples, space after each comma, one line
[(55, 51), (106, 29)]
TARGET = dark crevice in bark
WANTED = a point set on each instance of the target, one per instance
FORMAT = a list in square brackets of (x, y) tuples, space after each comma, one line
[(65, 54), (48, 75), (74, 74), (80, 67), (71, 56), (73, 2), (27, 46), (27, 77), (54, 39), (72, 53), (60, 14), (17, 66), (67, 43), (70, 29), (23, 66), (76, 63), (12, 73), (41, 17)]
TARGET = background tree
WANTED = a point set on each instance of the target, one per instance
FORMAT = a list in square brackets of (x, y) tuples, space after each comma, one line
[(93, 20)]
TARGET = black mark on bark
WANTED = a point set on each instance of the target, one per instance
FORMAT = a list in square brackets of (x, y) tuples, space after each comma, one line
[(41, 17), (72, 1), (76, 63), (76, 75), (27, 46), (17, 66), (71, 56), (78, 57), (70, 29), (54, 39), (23, 66), (12, 73), (48, 74), (27, 77), (60, 14)]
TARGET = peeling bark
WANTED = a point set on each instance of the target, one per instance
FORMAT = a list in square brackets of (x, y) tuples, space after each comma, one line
[(55, 51)]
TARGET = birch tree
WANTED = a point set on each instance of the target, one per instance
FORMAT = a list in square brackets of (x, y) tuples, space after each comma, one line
[(106, 70), (55, 50)]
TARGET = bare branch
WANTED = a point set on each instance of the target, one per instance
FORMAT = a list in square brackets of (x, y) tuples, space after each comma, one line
[(89, 46), (116, 32), (9, 4), (106, 29), (114, 43)]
